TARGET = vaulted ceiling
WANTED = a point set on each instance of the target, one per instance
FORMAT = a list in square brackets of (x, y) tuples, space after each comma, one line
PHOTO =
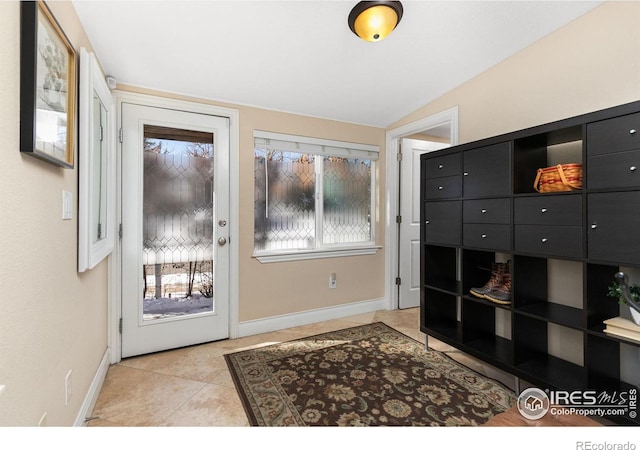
[(301, 57)]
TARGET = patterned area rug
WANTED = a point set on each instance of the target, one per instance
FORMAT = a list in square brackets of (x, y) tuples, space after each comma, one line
[(369, 375)]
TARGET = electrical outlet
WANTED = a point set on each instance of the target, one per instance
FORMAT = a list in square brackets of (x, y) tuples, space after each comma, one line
[(332, 281), (67, 388), (43, 420)]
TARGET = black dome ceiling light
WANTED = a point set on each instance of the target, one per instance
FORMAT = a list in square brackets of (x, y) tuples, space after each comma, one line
[(374, 21)]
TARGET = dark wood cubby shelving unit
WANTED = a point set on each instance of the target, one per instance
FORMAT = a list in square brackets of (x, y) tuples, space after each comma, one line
[(479, 205)]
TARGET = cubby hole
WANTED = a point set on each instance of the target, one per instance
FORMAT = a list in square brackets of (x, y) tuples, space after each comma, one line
[(548, 355), (603, 363), (476, 271), (549, 289), (440, 316), (440, 268), (599, 305), (544, 150), (613, 367), (486, 333)]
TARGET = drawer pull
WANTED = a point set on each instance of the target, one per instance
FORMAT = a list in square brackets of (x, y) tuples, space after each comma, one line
[(440, 166), (543, 210), (544, 240), (483, 211), (632, 168), (440, 188), (632, 131), (465, 174), (594, 226), (427, 222), (484, 236)]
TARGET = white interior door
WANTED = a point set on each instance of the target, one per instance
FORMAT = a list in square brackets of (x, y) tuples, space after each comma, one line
[(175, 209), (409, 240)]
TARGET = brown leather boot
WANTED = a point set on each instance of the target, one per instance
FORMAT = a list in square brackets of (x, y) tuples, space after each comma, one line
[(501, 294), (497, 270)]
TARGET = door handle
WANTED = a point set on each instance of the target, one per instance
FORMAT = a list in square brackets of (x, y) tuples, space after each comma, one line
[(222, 241)]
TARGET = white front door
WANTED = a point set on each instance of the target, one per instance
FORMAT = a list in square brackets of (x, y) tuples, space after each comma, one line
[(409, 241), (175, 213)]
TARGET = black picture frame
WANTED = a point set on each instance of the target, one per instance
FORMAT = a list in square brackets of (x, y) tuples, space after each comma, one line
[(48, 88)]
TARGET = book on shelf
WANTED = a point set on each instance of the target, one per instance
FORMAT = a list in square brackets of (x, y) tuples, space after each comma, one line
[(622, 327)]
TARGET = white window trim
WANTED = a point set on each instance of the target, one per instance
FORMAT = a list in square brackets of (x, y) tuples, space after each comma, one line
[(339, 148), (300, 255), (321, 146)]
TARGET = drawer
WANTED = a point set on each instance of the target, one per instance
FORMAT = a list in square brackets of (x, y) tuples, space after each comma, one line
[(442, 224), (487, 171), (613, 224), (489, 236), (616, 170), (446, 187), (443, 166), (490, 210), (614, 135), (548, 210), (562, 241)]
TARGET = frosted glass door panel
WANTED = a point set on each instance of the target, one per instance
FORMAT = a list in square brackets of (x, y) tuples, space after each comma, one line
[(178, 250)]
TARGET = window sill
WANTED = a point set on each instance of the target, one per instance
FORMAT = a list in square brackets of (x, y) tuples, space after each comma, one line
[(300, 255)]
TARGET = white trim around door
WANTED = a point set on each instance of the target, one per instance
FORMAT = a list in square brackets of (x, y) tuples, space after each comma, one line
[(234, 145), (448, 117)]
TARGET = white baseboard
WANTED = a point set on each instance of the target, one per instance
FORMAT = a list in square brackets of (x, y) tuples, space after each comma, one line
[(94, 391), (275, 323)]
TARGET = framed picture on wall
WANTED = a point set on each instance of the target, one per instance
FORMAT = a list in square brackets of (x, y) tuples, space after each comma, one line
[(47, 87)]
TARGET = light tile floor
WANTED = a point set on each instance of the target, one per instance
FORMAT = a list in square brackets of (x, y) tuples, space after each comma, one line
[(192, 387)]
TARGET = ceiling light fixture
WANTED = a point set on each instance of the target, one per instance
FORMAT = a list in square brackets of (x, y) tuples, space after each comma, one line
[(374, 21)]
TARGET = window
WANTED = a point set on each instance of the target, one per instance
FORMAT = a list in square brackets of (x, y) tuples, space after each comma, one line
[(313, 197)]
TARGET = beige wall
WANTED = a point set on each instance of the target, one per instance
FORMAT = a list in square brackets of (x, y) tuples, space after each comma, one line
[(590, 64), (52, 319)]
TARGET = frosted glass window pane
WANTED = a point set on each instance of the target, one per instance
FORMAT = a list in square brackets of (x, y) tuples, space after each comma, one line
[(309, 197), (347, 200), (284, 200)]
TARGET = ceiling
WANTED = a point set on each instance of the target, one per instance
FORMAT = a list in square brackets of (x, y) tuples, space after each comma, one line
[(301, 57)]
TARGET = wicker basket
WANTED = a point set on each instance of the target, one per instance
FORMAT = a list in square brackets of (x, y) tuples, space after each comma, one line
[(563, 177)]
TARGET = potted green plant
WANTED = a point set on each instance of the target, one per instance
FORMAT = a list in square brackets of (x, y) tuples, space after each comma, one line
[(615, 291)]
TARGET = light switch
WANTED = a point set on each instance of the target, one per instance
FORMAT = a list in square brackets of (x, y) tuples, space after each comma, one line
[(67, 200)]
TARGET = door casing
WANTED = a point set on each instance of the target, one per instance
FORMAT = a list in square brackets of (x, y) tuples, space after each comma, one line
[(447, 117)]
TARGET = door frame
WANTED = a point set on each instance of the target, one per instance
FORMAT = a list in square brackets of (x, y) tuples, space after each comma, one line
[(115, 264), (393, 137)]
